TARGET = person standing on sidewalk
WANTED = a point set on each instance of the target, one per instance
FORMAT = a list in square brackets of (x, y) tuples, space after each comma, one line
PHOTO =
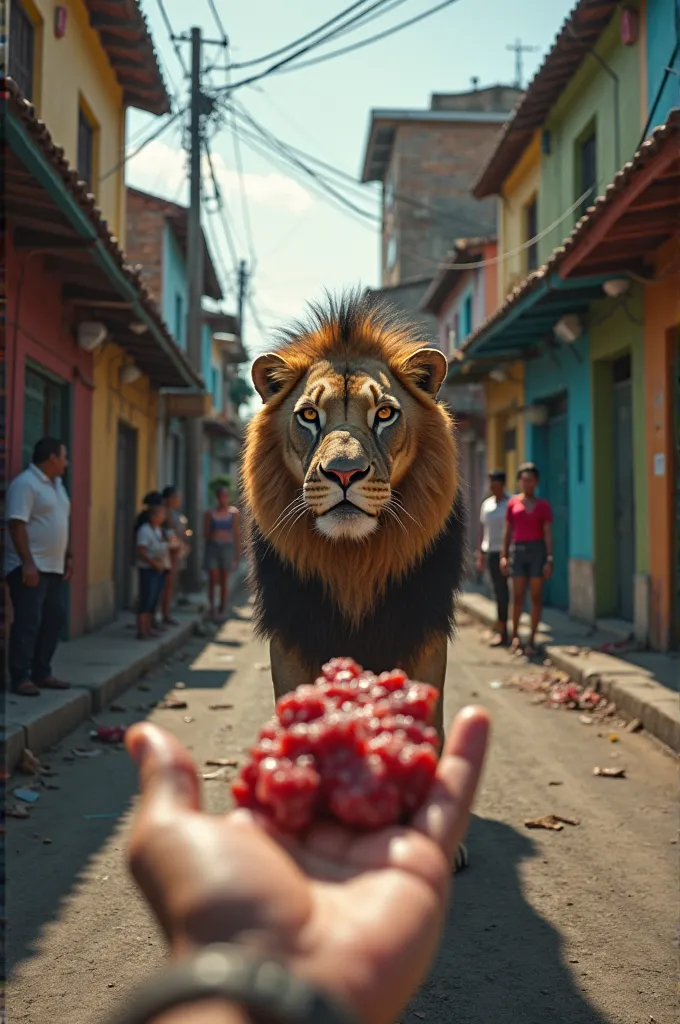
[(152, 562), (38, 564), (528, 539), (176, 535), (488, 555), (222, 548)]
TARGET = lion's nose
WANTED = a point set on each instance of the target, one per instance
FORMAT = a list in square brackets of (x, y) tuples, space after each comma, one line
[(345, 471)]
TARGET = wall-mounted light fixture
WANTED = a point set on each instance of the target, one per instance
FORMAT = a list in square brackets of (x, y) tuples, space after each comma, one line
[(617, 286), (90, 335), (568, 328), (130, 373)]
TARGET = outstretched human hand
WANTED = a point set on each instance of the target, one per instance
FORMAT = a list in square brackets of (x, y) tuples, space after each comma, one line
[(358, 915)]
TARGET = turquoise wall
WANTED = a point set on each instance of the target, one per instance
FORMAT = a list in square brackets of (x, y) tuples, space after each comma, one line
[(663, 88), (589, 99), (175, 287), (567, 368)]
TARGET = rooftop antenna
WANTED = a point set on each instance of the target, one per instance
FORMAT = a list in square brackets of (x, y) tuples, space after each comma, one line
[(474, 82), (519, 48)]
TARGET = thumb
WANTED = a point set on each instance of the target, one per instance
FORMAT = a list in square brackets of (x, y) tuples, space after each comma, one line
[(168, 777)]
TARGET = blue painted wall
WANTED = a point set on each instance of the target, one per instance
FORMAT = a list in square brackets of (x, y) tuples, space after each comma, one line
[(549, 376), (663, 89), (175, 297)]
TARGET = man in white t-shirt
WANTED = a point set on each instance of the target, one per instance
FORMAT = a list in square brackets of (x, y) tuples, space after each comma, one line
[(488, 555), (38, 563)]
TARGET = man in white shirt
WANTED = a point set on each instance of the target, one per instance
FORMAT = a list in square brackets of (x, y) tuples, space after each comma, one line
[(488, 555), (38, 562)]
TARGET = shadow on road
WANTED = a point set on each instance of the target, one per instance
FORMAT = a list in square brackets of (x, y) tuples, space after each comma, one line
[(500, 961)]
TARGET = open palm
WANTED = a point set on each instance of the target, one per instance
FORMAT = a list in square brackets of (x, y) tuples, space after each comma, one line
[(357, 914)]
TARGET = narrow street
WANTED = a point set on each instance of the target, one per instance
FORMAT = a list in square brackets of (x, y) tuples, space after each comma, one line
[(575, 926)]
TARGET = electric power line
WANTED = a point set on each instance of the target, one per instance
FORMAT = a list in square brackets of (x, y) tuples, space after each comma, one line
[(245, 211), (296, 42), (218, 20), (151, 138), (305, 49), (363, 42), (173, 39), (221, 208)]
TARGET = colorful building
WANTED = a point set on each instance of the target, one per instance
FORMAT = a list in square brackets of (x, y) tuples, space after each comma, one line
[(87, 349), (586, 328)]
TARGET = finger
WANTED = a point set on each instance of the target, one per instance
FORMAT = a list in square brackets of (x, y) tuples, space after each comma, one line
[(168, 777), (444, 817)]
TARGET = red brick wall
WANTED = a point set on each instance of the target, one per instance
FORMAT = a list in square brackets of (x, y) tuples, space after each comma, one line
[(438, 164), (144, 238)]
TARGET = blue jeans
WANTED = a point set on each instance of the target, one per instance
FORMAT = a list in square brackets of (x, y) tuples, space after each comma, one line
[(151, 584), (36, 626)]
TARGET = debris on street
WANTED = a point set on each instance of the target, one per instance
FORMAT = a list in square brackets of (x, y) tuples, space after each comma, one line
[(109, 733), (220, 707), (554, 822), (495, 684), (610, 773), (81, 752), (222, 762), (613, 737), (27, 796), (213, 775), (172, 703), (586, 719), (635, 725), (555, 689), (15, 811)]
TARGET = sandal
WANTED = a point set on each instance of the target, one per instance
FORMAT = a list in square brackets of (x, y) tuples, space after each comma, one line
[(499, 641), (27, 689), (516, 646)]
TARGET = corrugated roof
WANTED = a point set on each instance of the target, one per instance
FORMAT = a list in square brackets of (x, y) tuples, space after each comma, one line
[(657, 223), (579, 32), (178, 369)]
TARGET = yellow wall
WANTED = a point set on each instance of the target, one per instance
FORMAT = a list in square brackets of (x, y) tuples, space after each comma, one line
[(75, 70), (517, 192), (504, 400), (137, 406)]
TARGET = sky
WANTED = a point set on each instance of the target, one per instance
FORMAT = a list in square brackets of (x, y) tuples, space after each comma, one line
[(296, 242)]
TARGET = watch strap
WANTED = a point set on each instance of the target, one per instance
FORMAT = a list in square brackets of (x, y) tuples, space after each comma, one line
[(265, 988)]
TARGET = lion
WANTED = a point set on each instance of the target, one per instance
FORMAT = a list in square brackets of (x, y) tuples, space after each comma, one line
[(352, 498)]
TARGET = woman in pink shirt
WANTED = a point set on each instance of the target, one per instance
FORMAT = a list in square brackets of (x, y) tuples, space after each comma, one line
[(529, 541)]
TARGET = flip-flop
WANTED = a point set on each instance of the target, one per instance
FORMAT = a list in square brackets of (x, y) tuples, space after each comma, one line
[(499, 641), (53, 684), (27, 689)]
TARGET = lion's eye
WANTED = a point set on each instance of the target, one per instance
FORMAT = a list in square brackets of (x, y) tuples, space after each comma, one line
[(308, 415), (385, 413)]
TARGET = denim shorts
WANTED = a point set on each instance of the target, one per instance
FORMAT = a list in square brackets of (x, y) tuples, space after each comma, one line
[(527, 560), (151, 583), (219, 557)]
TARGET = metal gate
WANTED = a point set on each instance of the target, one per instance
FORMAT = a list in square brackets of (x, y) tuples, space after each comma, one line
[(624, 481), (126, 511), (556, 490)]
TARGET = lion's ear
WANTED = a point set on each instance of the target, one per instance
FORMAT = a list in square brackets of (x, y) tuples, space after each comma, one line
[(270, 373), (427, 368)]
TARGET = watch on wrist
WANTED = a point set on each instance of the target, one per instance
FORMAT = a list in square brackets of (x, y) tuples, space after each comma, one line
[(263, 987)]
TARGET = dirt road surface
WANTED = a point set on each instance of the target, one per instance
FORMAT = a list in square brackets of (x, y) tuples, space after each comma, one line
[(578, 926)]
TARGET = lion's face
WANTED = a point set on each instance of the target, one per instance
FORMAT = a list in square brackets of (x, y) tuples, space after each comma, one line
[(348, 444)]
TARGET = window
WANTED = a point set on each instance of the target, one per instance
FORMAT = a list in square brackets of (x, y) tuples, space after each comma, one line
[(85, 148), (389, 192), (45, 411), (21, 48), (179, 318), (468, 315), (530, 231), (587, 170), (391, 252), (509, 440)]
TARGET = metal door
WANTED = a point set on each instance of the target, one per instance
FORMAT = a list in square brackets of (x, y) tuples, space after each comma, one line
[(624, 499), (126, 512), (556, 490)]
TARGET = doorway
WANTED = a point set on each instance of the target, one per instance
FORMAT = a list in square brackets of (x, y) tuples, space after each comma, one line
[(126, 502), (624, 482)]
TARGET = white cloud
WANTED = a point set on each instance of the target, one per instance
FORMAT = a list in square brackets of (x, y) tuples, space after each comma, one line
[(161, 169)]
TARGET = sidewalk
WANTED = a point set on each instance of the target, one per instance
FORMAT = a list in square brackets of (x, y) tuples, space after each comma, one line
[(99, 666), (642, 684)]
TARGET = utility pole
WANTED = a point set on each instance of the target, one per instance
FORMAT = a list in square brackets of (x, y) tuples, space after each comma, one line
[(194, 488), (518, 47), (242, 282)]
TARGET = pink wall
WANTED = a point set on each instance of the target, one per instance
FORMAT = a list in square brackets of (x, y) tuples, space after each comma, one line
[(40, 331)]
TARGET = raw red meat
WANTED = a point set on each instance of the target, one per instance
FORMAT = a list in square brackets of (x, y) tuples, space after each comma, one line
[(353, 746)]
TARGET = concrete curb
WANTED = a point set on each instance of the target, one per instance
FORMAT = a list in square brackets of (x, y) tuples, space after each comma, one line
[(635, 693), (57, 712)]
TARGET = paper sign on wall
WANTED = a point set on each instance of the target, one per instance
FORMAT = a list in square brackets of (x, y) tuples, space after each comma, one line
[(659, 464)]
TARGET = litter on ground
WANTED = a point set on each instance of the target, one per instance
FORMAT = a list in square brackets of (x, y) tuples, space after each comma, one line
[(554, 822)]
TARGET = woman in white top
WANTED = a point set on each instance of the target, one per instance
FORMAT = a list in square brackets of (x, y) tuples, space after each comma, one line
[(152, 563), (488, 555)]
